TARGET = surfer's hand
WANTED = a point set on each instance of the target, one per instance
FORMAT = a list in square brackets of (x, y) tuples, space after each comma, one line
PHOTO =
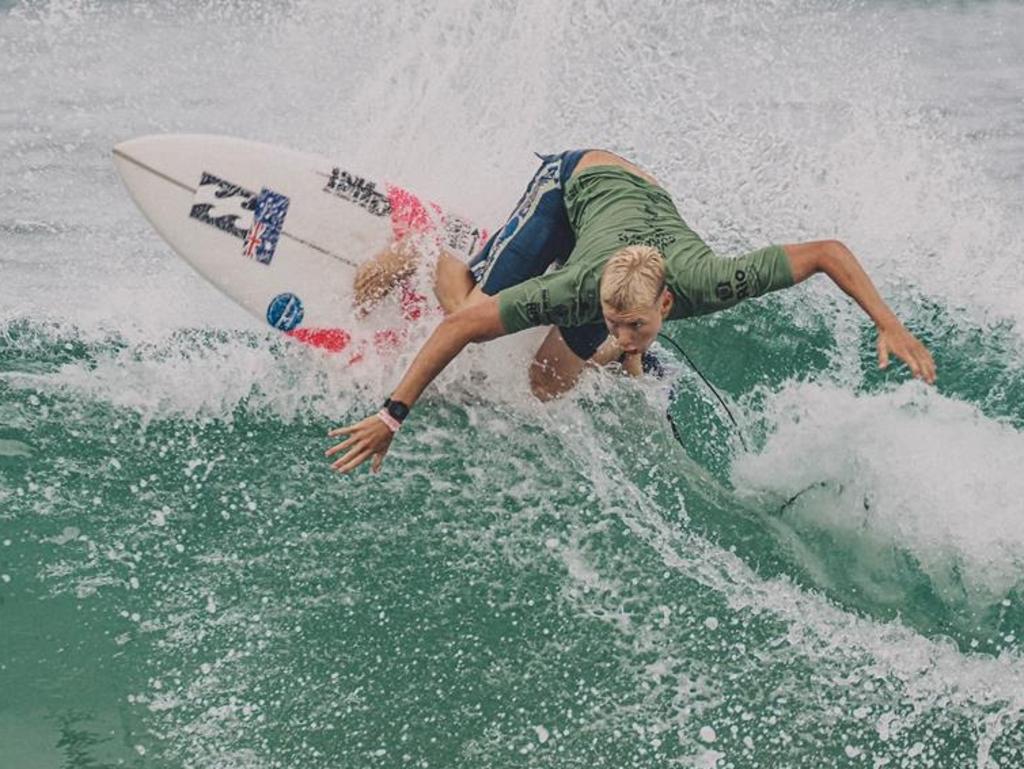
[(376, 277), (369, 438), (633, 363), (898, 341)]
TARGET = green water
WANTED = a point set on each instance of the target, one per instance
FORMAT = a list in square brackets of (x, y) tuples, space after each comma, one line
[(185, 585), (524, 585)]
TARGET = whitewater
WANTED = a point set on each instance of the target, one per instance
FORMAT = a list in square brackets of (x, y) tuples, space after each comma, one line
[(835, 581)]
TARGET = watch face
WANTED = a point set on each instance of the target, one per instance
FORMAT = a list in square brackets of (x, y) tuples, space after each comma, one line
[(398, 410)]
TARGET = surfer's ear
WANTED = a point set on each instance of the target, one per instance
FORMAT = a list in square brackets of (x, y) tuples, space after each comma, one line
[(666, 303)]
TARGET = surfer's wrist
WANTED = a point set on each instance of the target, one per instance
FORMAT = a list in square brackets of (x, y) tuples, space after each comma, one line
[(393, 413), (389, 421), (887, 322)]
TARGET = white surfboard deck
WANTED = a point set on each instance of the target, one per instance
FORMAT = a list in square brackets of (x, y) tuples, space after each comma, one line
[(282, 232)]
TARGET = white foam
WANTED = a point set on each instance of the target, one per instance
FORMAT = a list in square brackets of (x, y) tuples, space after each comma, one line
[(917, 471), (789, 123)]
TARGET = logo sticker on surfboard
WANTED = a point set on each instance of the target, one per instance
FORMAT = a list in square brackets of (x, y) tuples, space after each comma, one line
[(256, 220), (356, 189), (268, 218), (285, 312)]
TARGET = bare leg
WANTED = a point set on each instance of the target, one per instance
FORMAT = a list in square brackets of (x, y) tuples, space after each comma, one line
[(453, 282), (555, 368)]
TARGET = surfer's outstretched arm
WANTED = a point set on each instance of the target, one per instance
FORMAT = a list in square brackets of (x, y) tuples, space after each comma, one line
[(477, 322), (838, 262)]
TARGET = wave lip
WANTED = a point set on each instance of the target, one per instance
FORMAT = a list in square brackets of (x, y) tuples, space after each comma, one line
[(883, 490)]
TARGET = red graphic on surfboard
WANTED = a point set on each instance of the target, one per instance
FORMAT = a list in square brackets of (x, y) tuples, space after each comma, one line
[(409, 217)]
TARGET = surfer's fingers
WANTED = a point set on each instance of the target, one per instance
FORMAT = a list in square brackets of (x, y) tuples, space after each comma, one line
[(926, 361), (356, 444), (927, 366), (378, 460), (352, 460), (908, 354), (340, 447), (883, 352), (917, 357), (920, 356), (340, 431), (915, 367)]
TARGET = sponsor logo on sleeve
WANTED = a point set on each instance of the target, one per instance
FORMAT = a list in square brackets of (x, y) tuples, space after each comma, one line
[(358, 190), (738, 288), (533, 312), (285, 312), (742, 284)]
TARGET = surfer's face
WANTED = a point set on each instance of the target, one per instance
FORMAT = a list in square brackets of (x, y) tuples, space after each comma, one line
[(636, 329)]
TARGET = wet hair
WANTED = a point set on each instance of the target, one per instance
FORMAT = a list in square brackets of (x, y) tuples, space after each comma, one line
[(633, 278)]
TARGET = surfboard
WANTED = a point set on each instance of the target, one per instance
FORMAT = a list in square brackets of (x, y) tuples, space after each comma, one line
[(283, 232)]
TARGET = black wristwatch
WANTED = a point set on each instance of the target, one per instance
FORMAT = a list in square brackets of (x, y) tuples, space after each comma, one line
[(398, 410)]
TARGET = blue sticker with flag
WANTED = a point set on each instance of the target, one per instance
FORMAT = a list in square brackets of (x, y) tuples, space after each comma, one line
[(267, 221)]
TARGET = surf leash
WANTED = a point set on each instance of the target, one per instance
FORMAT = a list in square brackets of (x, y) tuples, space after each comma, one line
[(704, 379)]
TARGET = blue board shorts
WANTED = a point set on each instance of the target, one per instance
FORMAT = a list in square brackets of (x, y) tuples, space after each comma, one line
[(537, 235)]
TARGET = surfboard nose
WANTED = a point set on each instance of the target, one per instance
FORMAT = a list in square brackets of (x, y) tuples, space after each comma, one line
[(140, 146), (142, 153), (127, 146)]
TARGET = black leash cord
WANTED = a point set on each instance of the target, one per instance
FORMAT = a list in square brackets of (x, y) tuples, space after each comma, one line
[(704, 379)]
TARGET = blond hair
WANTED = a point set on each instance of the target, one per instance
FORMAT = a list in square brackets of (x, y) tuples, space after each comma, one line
[(634, 277)]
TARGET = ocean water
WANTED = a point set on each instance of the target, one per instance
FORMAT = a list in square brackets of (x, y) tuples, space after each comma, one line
[(184, 584)]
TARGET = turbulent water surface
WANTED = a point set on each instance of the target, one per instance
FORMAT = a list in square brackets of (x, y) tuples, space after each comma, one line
[(838, 583)]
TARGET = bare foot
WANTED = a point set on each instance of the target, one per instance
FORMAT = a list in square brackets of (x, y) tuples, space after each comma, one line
[(376, 277)]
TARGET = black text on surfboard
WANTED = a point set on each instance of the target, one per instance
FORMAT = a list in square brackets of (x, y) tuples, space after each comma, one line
[(358, 190)]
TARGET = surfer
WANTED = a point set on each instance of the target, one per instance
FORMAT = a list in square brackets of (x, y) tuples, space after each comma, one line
[(626, 262)]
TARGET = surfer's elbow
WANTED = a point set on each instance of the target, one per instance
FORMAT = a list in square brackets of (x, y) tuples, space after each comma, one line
[(460, 331), (818, 256), (456, 331), (832, 254), (479, 322)]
